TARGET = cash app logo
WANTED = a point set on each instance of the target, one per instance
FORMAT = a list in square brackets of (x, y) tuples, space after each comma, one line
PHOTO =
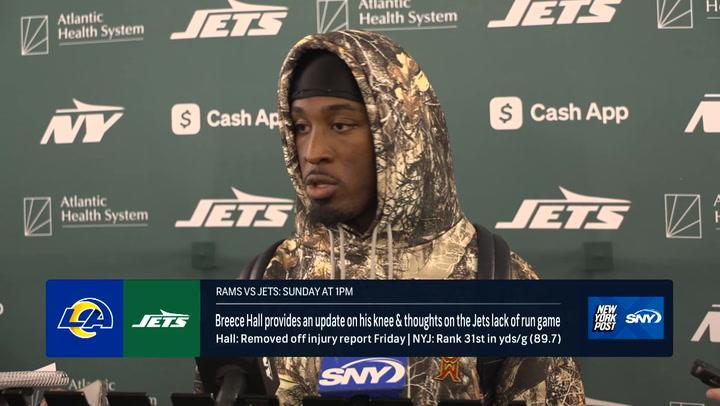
[(162, 318), (506, 113)]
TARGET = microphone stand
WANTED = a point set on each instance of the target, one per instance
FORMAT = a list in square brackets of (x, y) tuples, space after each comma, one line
[(234, 383)]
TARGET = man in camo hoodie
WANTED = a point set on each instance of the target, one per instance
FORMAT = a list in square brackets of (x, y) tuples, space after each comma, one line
[(366, 146)]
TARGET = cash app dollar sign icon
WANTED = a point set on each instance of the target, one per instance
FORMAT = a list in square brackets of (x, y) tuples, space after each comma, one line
[(185, 119), (506, 113)]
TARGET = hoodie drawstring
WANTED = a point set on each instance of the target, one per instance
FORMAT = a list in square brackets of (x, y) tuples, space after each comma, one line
[(332, 255), (390, 253), (342, 253), (373, 253)]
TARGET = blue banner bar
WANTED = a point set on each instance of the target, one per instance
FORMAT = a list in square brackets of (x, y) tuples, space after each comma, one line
[(436, 318)]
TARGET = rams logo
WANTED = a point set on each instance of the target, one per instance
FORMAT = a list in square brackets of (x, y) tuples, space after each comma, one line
[(85, 316)]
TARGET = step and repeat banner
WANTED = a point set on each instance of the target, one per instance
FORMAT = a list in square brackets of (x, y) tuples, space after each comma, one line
[(586, 132)]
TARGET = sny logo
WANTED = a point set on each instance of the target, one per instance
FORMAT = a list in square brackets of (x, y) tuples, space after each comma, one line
[(86, 316), (235, 21), (533, 13), (63, 131), (388, 369), (163, 320), (544, 214), (644, 316), (239, 212), (605, 318), (711, 324)]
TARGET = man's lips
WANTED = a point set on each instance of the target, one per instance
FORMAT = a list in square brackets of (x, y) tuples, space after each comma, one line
[(320, 187)]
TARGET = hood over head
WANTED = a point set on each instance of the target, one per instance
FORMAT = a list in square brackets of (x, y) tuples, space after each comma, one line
[(416, 192)]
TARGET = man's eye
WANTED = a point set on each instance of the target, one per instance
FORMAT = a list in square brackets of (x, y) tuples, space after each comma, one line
[(300, 128), (341, 127)]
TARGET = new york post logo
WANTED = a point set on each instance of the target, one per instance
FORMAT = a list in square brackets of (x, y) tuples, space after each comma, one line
[(605, 318), (626, 318), (245, 210), (84, 318), (241, 19)]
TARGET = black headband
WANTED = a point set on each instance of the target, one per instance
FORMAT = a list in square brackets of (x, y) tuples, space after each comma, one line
[(322, 73)]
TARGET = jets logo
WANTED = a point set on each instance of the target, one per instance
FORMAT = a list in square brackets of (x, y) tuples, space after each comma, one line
[(66, 124), (163, 320), (85, 317), (574, 212), (245, 210), (534, 13), (241, 19), (710, 324)]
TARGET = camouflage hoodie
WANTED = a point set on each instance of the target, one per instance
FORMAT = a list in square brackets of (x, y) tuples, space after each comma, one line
[(419, 231)]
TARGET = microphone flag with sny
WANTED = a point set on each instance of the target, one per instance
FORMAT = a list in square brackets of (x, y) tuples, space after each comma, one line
[(384, 377)]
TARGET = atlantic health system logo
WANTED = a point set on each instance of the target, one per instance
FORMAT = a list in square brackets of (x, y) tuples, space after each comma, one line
[(34, 35), (74, 28), (37, 217), (683, 216), (77, 212), (674, 14), (385, 15), (680, 15), (239, 20), (574, 212)]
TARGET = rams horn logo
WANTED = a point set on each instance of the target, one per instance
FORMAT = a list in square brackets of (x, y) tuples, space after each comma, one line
[(85, 316)]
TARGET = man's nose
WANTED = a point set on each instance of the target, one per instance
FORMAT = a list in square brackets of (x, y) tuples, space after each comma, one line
[(318, 147)]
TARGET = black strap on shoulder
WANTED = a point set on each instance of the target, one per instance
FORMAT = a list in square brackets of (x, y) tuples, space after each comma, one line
[(493, 255), (493, 263), (255, 269)]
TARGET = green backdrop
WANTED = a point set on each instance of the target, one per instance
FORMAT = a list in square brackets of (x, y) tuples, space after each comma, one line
[(112, 132)]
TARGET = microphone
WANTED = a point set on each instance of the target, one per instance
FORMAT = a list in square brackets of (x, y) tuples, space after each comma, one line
[(229, 378), (369, 376)]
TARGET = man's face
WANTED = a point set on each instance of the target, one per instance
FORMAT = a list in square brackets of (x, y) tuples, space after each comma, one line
[(337, 159)]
